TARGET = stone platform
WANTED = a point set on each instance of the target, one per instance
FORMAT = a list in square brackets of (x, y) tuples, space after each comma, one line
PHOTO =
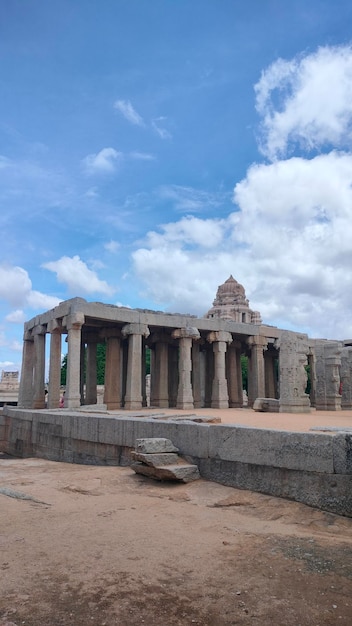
[(311, 467)]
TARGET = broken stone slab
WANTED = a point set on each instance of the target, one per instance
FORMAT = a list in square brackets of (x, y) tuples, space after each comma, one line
[(156, 459), (183, 472), (153, 445), (266, 405), (198, 419)]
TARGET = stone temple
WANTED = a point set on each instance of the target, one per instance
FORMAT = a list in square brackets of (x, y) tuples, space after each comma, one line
[(195, 362)]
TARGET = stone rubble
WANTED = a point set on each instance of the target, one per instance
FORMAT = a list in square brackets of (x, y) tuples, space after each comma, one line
[(158, 458)]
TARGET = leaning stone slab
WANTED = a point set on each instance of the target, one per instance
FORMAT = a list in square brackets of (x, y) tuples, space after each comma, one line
[(270, 405), (156, 459), (154, 445), (181, 472)]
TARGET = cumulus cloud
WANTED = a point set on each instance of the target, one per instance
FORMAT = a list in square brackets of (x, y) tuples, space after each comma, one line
[(129, 112), (103, 162), (78, 278), (306, 102), (16, 317), (15, 284)]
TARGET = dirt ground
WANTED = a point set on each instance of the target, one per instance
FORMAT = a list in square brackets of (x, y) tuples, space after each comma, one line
[(85, 545)]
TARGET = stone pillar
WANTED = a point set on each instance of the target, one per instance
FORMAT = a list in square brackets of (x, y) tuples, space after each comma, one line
[(328, 363), (270, 378), (91, 370), (160, 374), (256, 369), (112, 382), (74, 325), (185, 392), (234, 374), (293, 348), (25, 394), (219, 395), (173, 375), (196, 376), (39, 367), (346, 378), (54, 328), (134, 332)]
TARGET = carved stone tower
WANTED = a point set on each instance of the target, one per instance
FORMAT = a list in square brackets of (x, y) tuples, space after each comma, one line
[(231, 304)]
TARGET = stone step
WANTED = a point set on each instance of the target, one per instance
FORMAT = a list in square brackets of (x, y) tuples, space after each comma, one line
[(184, 472), (156, 459), (153, 445)]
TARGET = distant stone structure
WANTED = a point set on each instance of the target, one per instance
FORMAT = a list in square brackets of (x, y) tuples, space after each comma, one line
[(9, 387), (195, 362), (231, 304)]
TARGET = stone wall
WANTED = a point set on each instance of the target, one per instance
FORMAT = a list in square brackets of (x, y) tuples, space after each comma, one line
[(313, 468)]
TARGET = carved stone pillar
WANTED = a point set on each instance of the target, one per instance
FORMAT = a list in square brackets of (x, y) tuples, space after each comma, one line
[(256, 369), (134, 396), (234, 374), (112, 389), (74, 325), (270, 381), (219, 396), (328, 363), (39, 367), (346, 378), (185, 392), (25, 394), (91, 370), (160, 370), (54, 328), (196, 376), (293, 348)]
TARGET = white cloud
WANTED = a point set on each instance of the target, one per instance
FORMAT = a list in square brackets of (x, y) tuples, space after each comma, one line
[(129, 112), (103, 162), (162, 132), (307, 102), (142, 156), (41, 301), (190, 199), (112, 246), (289, 245), (78, 278), (15, 284), (16, 317)]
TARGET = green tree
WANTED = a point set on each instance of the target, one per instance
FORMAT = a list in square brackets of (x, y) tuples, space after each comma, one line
[(101, 358)]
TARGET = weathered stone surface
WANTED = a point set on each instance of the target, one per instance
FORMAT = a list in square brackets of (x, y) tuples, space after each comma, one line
[(156, 459), (184, 472), (266, 404), (155, 444)]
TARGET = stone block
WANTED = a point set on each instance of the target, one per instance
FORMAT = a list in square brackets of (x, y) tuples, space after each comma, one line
[(183, 472), (270, 405), (342, 450), (155, 444), (156, 459), (284, 449)]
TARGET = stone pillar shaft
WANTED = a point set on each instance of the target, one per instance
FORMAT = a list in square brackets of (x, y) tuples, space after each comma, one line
[(256, 369), (112, 389), (25, 396), (234, 376), (73, 393), (91, 373), (54, 369), (39, 369), (134, 389), (161, 375)]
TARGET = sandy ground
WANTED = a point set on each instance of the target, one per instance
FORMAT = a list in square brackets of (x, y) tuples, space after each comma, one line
[(103, 546), (248, 417)]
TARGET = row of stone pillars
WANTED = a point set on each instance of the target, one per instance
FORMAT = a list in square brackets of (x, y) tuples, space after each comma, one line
[(187, 371)]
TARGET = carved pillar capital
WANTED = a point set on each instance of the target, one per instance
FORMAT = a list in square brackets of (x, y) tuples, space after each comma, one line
[(219, 335), (135, 329), (188, 332)]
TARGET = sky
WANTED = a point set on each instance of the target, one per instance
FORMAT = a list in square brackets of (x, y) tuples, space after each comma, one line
[(151, 148)]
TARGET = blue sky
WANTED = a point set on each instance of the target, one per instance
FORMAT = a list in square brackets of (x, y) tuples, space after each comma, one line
[(151, 148)]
